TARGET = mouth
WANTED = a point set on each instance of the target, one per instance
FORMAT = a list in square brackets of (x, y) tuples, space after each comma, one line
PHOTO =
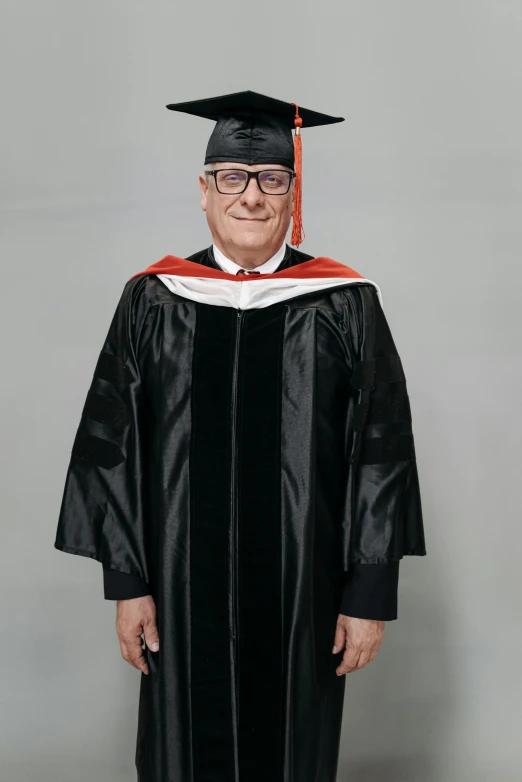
[(252, 219)]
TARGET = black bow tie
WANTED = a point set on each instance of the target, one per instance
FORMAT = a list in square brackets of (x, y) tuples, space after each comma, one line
[(247, 271)]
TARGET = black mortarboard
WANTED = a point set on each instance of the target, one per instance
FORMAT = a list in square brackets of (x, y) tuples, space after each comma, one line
[(252, 128)]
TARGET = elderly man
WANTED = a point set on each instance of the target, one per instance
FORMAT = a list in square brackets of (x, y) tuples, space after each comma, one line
[(245, 471)]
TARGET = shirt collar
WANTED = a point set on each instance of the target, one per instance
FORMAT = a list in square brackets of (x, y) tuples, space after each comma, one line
[(266, 268)]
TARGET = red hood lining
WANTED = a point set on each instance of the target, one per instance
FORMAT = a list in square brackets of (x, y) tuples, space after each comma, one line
[(320, 267)]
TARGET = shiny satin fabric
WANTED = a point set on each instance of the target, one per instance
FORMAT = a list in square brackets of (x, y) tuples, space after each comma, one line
[(261, 454)]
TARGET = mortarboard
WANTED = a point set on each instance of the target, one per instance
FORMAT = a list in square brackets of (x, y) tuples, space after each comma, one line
[(252, 128)]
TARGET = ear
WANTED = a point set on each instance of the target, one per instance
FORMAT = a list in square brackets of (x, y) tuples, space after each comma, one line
[(203, 186)]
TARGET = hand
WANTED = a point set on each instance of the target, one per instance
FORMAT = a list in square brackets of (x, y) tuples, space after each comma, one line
[(361, 638), (134, 617)]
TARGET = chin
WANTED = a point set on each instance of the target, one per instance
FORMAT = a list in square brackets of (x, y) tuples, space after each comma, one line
[(249, 238)]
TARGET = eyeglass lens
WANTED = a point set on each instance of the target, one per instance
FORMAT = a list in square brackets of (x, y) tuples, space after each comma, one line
[(271, 182)]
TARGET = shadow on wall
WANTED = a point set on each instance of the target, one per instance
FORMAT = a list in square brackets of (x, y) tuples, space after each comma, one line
[(400, 711), (406, 769)]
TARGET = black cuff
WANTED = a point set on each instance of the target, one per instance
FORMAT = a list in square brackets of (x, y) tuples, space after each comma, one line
[(370, 591), (123, 586)]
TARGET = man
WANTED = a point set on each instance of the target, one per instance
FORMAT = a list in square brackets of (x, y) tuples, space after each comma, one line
[(245, 470)]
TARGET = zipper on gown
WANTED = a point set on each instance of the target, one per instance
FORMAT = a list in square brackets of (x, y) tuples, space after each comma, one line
[(234, 523)]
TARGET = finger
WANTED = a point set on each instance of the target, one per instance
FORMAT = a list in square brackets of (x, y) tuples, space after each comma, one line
[(151, 637), (349, 661), (340, 638), (140, 662), (363, 660), (133, 654)]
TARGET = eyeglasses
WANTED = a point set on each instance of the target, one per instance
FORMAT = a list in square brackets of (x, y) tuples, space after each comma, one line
[(232, 181)]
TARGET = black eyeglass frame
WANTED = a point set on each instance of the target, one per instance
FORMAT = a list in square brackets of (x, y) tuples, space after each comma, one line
[(251, 175)]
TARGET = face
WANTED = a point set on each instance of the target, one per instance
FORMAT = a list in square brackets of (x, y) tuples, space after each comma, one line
[(249, 225)]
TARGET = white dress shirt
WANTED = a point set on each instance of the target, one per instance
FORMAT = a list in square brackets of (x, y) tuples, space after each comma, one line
[(266, 268)]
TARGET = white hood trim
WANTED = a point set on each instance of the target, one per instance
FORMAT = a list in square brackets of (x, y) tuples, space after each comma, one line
[(251, 294)]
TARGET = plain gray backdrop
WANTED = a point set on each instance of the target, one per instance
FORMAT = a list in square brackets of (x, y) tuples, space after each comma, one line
[(420, 190)]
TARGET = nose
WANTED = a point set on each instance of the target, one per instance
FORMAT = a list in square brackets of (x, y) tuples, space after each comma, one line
[(253, 195)]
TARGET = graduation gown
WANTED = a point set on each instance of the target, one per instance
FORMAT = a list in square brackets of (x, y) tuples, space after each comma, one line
[(245, 454)]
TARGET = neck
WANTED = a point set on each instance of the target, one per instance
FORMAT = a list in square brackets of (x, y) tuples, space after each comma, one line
[(248, 259)]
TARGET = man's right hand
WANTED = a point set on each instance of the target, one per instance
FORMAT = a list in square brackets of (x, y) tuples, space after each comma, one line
[(134, 617)]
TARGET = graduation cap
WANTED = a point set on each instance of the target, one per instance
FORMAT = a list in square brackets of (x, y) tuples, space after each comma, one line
[(252, 128)]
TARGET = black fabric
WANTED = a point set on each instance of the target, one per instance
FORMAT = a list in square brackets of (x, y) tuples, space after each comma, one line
[(251, 128), (96, 450), (259, 541), (113, 369), (110, 412), (211, 467), (360, 416), (251, 141), (392, 408), (123, 586), (383, 517), (386, 449), (371, 591), (245, 545), (383, 369), (388, 369), (363, 375)]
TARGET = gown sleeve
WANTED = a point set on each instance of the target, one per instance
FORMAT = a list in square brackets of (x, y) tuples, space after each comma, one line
[(383, 518), (103, 508), (123, 586)]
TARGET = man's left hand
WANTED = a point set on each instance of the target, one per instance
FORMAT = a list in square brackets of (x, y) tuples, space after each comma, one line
[(361, 639)]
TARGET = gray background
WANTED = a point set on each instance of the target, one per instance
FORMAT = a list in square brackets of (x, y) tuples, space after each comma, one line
[(420, 190)]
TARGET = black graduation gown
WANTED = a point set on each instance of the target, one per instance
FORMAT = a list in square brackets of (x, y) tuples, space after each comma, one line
[(370, 591), (242, 463)]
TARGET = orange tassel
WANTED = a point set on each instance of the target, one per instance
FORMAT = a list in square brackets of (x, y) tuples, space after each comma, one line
[(297, 217)]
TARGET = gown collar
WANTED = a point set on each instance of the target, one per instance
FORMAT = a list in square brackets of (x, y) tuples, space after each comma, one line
[(267, 267)]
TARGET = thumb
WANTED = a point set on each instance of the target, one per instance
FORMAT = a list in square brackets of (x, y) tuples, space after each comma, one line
[(340, 638), (152, 636)]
